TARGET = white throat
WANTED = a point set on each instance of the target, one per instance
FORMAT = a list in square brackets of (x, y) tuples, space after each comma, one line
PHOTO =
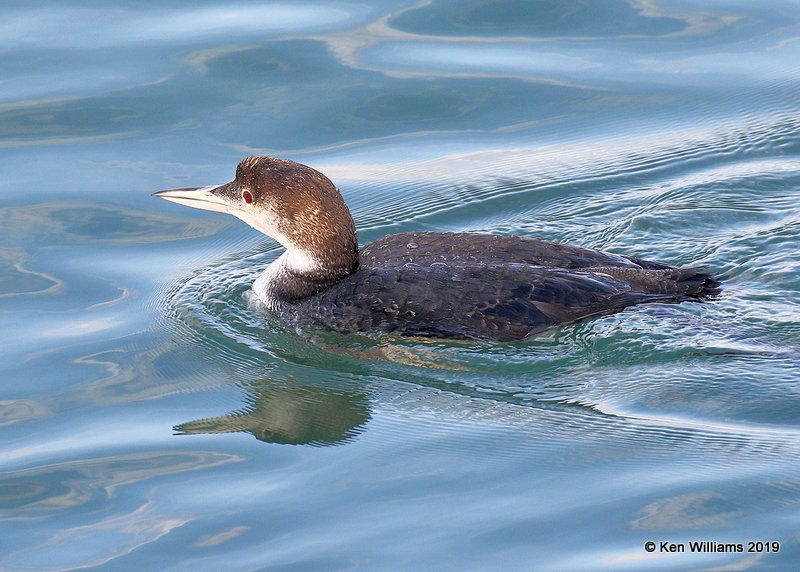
[(293, 260)]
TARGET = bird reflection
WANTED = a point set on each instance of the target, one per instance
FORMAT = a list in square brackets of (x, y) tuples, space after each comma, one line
[(293, 415)]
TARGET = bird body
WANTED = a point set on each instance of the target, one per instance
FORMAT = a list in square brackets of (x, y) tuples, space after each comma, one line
[(460, 285)]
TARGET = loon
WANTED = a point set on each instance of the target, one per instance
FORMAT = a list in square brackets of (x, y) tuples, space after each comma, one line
[(435, 284)]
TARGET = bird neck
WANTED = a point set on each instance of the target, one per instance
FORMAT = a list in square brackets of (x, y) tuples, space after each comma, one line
[(297, 274)]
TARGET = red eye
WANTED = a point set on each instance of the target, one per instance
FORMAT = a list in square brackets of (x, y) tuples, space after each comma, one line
[(248, 197)]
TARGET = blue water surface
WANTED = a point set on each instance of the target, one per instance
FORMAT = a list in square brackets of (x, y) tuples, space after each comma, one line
[(150, 419)]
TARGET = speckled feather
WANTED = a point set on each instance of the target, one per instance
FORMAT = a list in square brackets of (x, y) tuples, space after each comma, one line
[(487, 287)]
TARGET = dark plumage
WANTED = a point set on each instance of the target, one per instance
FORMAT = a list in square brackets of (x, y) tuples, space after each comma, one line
[(433, 284), (488, 287)]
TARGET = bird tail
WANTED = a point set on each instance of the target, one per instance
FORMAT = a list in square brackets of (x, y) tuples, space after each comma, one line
[(668, 283), (696, 284)]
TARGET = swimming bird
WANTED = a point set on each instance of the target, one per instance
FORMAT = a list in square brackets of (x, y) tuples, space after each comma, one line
[(459, 285)]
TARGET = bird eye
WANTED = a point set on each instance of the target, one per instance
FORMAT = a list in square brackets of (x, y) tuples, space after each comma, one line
[(248, 197)]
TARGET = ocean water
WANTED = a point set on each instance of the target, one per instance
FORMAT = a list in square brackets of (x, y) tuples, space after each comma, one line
[(151, 420)]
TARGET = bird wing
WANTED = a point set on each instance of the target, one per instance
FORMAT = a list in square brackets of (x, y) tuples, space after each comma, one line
[(501, 302)]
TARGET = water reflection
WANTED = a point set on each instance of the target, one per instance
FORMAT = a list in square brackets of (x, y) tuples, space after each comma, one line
[(109, 27), (17, 280), (694, 510), (654, 128), (44, 492), (71, 504), (292, 414), (548, 18), (63, 224)]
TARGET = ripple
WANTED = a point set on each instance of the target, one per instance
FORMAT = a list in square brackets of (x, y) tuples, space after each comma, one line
[(567, 181), (660, 378)]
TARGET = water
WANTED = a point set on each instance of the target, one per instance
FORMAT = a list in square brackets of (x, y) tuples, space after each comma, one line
[(151, 420)]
